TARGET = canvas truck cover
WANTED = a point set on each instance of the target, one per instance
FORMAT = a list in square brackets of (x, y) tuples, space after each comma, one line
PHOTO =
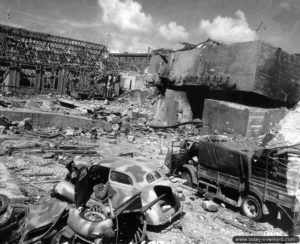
[(228, 157)]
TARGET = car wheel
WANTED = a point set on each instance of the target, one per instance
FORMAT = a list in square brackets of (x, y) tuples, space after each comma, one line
[(187, 176), (252, 207), (132, 230)]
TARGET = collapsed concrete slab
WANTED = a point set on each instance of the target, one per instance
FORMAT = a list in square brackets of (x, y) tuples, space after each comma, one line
[(45, 119), (235, 118), (173, 108), (287, 132)]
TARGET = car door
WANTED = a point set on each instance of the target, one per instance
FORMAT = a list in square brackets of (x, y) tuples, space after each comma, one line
[(122, 186)]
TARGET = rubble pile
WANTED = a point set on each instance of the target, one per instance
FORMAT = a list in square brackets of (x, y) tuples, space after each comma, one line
[(144, 126)]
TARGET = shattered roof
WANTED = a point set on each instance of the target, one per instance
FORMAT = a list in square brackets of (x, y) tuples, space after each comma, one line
[(201, 45)]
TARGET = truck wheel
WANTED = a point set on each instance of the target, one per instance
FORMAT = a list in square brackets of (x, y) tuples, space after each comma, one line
[(4, 201), (252, 207), (187, 176)]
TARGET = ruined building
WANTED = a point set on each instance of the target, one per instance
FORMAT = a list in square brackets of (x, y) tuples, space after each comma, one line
[(240, 75), (38, 63)]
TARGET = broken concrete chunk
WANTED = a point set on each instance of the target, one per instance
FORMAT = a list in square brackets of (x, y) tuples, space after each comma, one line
[(2, 130), (49, 155), (115, 127), (69, 132), (210, 206), (4, 121), (130, 138), (26, 124)]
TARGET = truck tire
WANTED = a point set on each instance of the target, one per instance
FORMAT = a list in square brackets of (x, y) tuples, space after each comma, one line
[(6, 211), (187, 176), (4, 201), (252, 207)]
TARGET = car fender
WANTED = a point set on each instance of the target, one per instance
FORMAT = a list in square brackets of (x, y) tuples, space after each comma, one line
[(192, 170), (65, 189)]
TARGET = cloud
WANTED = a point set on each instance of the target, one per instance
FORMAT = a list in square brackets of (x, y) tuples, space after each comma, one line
[(124, 42), (227, 29), (288, 17), (77, 24), (172, 31), (127, 15)]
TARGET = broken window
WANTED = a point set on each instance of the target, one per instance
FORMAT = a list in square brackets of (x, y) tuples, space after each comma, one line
[(120, 178), (150, 178), (27, 77), (51, 79)]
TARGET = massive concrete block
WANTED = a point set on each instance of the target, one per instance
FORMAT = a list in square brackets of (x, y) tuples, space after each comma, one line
[(173, 108), (234, 118), (250, 67)]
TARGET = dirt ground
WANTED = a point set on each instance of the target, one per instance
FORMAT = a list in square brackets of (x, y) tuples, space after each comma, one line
[(34, 175), (36, 171)]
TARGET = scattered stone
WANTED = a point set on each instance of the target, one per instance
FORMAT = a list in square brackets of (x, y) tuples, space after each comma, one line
[(49, 155), (94, 133), (2, 130), (4, 121), (210, 206), (69, 132), (15, 123), (26, 124), (115, 127), (111, 136), (130, 138), (124, 113), (106, 102)]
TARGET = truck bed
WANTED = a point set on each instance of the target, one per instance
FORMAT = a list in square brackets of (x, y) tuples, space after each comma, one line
[(270, 190)]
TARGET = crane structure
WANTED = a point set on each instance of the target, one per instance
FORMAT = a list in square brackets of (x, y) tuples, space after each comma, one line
[(39, 63)]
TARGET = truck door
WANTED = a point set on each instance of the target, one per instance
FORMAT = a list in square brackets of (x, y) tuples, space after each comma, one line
[(178, 155)]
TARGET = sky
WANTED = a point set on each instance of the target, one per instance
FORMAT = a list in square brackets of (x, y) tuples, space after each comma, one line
[(135, 25)]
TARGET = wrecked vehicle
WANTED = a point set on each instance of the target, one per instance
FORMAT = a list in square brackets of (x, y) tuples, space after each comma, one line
[(24, 224), (121, 178), (241, 174), (88, 222), (96, 221)]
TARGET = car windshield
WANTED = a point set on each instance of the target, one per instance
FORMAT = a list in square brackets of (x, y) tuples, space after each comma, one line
[(153, 176)]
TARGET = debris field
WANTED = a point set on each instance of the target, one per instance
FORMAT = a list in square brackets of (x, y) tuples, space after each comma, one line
[(192, 150)]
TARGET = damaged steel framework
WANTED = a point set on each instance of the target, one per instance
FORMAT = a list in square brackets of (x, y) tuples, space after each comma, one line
[(37, 63)]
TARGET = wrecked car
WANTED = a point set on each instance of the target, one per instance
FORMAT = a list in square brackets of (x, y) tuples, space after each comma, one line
[(121, 178), (89, 221)]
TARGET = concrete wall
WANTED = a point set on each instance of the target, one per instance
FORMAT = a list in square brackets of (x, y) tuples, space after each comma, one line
[(44, 119)]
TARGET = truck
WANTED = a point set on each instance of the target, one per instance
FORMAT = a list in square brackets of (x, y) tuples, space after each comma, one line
[(256, 180)]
